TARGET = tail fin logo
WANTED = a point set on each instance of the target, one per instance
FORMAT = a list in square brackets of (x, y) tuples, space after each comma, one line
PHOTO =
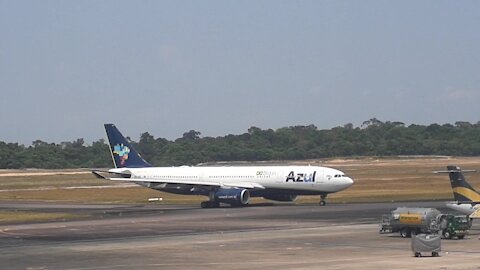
[(122, 151)]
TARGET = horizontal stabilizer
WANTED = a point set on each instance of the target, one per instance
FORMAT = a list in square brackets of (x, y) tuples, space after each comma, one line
[(123, 173), (98, 175)]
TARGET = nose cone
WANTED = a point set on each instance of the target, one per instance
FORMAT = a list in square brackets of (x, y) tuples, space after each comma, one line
[(349, 181), (346, 182)]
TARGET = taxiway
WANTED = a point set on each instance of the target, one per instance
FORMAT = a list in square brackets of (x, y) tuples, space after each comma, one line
[(267, 236)]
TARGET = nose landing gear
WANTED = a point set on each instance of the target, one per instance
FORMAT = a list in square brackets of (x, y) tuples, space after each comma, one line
[(322, 200)]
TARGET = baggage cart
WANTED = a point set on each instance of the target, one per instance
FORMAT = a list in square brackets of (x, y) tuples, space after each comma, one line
[(426, 243)]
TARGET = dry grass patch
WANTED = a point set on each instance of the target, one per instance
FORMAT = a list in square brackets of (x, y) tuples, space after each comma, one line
[(402, 179), (55, 180), (104, 195), (9, 217)]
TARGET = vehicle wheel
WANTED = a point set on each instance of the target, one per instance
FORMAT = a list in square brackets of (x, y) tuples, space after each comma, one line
[(404, 233), (322, 203), (461, 236), (204, 204), (447, 235), (418, 254), (435, 254)]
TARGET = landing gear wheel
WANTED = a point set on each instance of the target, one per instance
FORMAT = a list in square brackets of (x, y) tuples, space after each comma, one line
[(322, 200), (210, 204)]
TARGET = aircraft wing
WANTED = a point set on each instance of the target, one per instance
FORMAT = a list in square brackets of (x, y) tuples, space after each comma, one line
[(247, 185), (451, 171)]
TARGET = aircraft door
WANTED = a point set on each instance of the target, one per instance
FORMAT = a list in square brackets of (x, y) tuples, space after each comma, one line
[(280, 177), (320, 177), (309, 178)]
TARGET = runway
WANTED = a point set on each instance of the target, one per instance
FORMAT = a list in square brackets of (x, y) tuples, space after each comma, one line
[(267, 236)]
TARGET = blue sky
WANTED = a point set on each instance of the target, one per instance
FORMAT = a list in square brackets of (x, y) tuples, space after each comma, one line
[(220, 67)]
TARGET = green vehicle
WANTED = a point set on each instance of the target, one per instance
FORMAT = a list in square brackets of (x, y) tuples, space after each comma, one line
[(454, 226)]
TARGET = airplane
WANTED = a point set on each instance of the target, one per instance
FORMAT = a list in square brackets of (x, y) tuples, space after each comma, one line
[(467, 199), (233, 185)]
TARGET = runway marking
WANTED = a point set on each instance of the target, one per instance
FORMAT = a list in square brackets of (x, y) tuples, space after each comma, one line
[(14, 234)]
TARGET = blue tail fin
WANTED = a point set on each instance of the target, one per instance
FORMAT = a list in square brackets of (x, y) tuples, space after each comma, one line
[(123, 154)]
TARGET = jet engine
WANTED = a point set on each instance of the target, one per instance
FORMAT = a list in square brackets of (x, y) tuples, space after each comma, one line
[(232, 196), (281, 197)]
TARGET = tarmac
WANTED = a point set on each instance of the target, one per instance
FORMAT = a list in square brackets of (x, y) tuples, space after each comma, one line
[(262, 236)]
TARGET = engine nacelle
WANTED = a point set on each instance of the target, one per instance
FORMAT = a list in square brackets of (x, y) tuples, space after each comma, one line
[(233, 196), (281, 197)]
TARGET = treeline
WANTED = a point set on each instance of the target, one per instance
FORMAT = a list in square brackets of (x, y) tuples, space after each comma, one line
[(372, 138), (44, 155)]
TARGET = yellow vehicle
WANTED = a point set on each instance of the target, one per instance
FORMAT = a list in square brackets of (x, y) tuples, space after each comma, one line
[(408, 221)]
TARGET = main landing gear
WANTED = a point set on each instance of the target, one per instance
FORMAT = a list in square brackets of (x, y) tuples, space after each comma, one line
[(210, 204), (322, 200)]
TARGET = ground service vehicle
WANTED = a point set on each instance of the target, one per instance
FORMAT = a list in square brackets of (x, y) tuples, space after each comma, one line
[(410, 221), (454, 226)]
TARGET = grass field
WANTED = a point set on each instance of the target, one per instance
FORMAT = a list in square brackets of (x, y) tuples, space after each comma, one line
[(401, 179), (7, 217), (388, 179)]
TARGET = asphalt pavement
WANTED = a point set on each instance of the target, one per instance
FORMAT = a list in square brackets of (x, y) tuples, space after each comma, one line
[(263, 236)]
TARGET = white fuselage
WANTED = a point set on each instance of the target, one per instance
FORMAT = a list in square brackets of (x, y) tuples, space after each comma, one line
[(466, 208), (293, 179)]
